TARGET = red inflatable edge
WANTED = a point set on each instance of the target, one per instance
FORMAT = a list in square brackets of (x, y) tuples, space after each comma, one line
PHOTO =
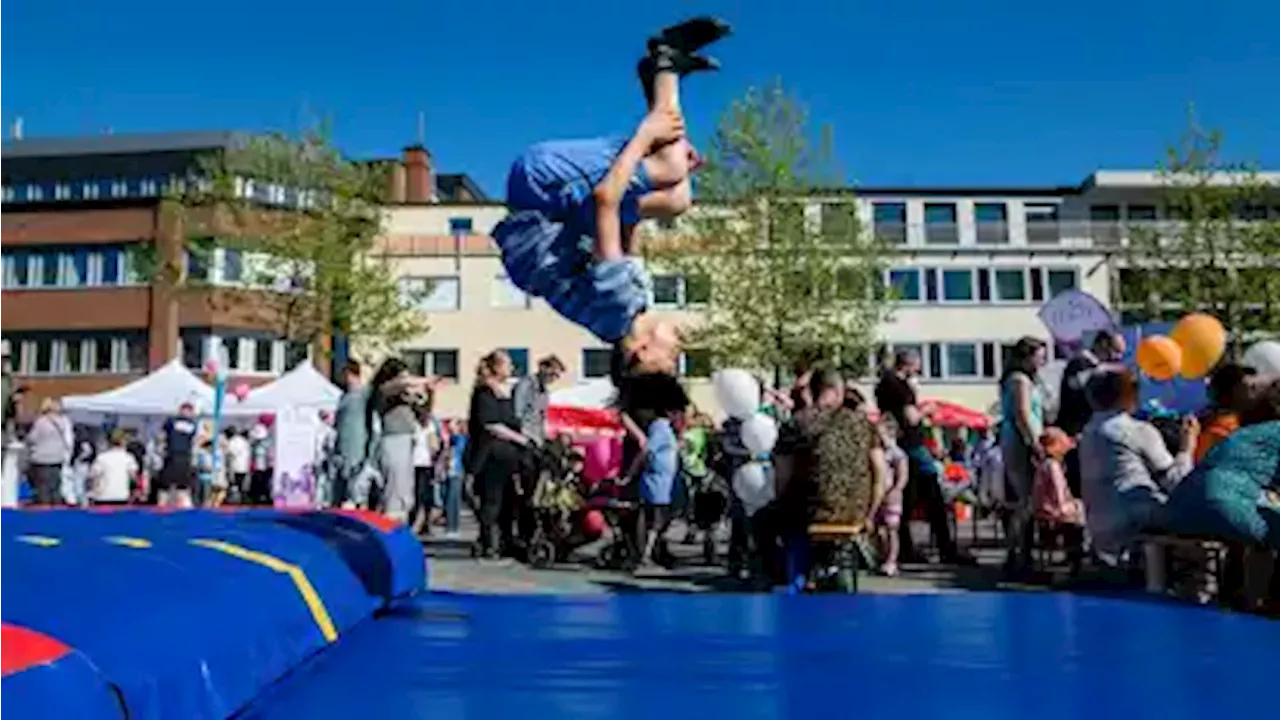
[(22, 648)]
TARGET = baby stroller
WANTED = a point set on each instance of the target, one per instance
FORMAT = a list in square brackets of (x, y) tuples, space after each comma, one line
[(616, 502), (557, 506)]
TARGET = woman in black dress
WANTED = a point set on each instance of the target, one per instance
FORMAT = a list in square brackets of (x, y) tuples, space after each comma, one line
[(495, 449)]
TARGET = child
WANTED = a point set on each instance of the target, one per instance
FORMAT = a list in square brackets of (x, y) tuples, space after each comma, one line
[(890, 514), (575, 206), (1051, 497), (204, 470)]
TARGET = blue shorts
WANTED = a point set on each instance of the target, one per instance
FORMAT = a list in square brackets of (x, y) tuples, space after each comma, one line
[(557, 177), (554, 261)]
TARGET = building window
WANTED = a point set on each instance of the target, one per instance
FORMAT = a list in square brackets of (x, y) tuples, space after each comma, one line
[(519, 361), (905, 283), (957, 285), (992, 223), (296, 352), (696, 363), (1060, 281), (197, 265), (263, 355), (989, 367), (596, 362), (433, 362), (1042, 223), (433, 294), (839, 220), (194, 348), (940, 224), (459, 226), (933, 366), (677, 291), (666, 290), (931, 284), (506, 295), (1011, 285), (962, 360), (984, 284), (890, 221), (1141, 213), (1104, 224), (232, 265)]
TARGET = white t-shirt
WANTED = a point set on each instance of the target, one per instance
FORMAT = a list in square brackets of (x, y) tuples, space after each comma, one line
[(421, 447), (112, 472), (238, 455)]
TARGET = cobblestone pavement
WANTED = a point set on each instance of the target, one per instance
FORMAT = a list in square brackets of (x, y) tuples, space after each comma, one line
[(452, 568)]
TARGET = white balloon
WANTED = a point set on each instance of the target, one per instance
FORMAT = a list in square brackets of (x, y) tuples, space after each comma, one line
[(737, 392), (1263, 357), (753, 484), (759, 434)]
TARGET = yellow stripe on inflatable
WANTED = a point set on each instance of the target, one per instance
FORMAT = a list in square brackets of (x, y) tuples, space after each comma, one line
[(300, 579), (129, 542), (39, 540)]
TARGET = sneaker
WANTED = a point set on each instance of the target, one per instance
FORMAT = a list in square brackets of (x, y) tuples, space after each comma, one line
[(669, 59), (889, 569), (691, 35)]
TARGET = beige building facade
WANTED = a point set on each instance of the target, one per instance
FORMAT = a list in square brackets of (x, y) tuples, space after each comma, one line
[(973, 268)]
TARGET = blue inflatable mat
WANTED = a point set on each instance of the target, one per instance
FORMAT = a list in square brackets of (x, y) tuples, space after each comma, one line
[(990, 656), (191, 614)]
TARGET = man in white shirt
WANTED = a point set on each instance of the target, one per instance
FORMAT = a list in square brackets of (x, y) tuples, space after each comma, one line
[(112, 474), (238, 455)]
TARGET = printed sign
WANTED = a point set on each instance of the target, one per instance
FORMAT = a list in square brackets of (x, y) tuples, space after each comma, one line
[(295, 441), (1071, 315)]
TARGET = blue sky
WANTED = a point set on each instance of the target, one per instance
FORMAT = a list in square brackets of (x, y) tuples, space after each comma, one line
[(920, 92)]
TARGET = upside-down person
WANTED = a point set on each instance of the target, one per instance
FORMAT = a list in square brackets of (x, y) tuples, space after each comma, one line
[(576, 205)]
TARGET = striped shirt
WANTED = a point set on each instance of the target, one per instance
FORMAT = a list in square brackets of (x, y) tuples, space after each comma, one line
[(553, 261)]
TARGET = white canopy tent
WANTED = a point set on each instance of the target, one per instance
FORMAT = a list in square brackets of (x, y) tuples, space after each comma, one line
[(302, 388), (158, 394)]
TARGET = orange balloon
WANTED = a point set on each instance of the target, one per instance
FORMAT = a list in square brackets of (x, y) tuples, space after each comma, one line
[(1203, 341), (1159, 357)]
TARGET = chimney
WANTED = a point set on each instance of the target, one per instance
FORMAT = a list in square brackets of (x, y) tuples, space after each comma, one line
[(396, 181), (419, 182)]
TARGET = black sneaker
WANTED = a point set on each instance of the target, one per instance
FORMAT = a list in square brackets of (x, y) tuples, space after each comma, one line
[(666, 58), (691, 35)]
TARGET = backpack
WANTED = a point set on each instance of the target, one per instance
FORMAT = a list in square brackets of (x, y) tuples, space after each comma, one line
[(842, 479)]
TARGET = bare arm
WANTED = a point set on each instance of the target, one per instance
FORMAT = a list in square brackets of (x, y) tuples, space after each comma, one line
[(879, 471), (502, 432), (1022, 390), (608, 197)]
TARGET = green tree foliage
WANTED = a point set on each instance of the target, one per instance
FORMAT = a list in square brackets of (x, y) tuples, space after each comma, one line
[(790, 269), (307, 222), (1218, 250)]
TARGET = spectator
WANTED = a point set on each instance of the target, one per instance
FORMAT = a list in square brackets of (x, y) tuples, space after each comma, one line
[(177, 475), (352, 440), (1022, 408), (662, 460), (238, 463), (425, 450), (394, 395), (1126, 470), (531, 397), (1103, 355), (261, 464), (1229, 395), (495, 450), (896, 396), (114, 473), (49, 445), (828, 463), (456, 474), (890, 503)]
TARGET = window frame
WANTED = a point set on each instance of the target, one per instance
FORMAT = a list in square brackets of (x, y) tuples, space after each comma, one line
[(942, 286), (921, 291)]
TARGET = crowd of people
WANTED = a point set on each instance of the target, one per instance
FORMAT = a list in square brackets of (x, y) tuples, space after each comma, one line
[(1088, 466)]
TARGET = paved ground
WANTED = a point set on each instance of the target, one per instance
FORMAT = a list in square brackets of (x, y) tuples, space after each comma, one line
[(452, 569)]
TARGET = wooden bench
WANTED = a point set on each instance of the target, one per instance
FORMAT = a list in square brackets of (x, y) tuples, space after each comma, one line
[(1185, 566), (1210, 569), (840, 572)]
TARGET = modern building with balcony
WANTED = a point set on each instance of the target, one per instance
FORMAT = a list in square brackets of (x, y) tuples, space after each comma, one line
[(973, 267), (79, 312)]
